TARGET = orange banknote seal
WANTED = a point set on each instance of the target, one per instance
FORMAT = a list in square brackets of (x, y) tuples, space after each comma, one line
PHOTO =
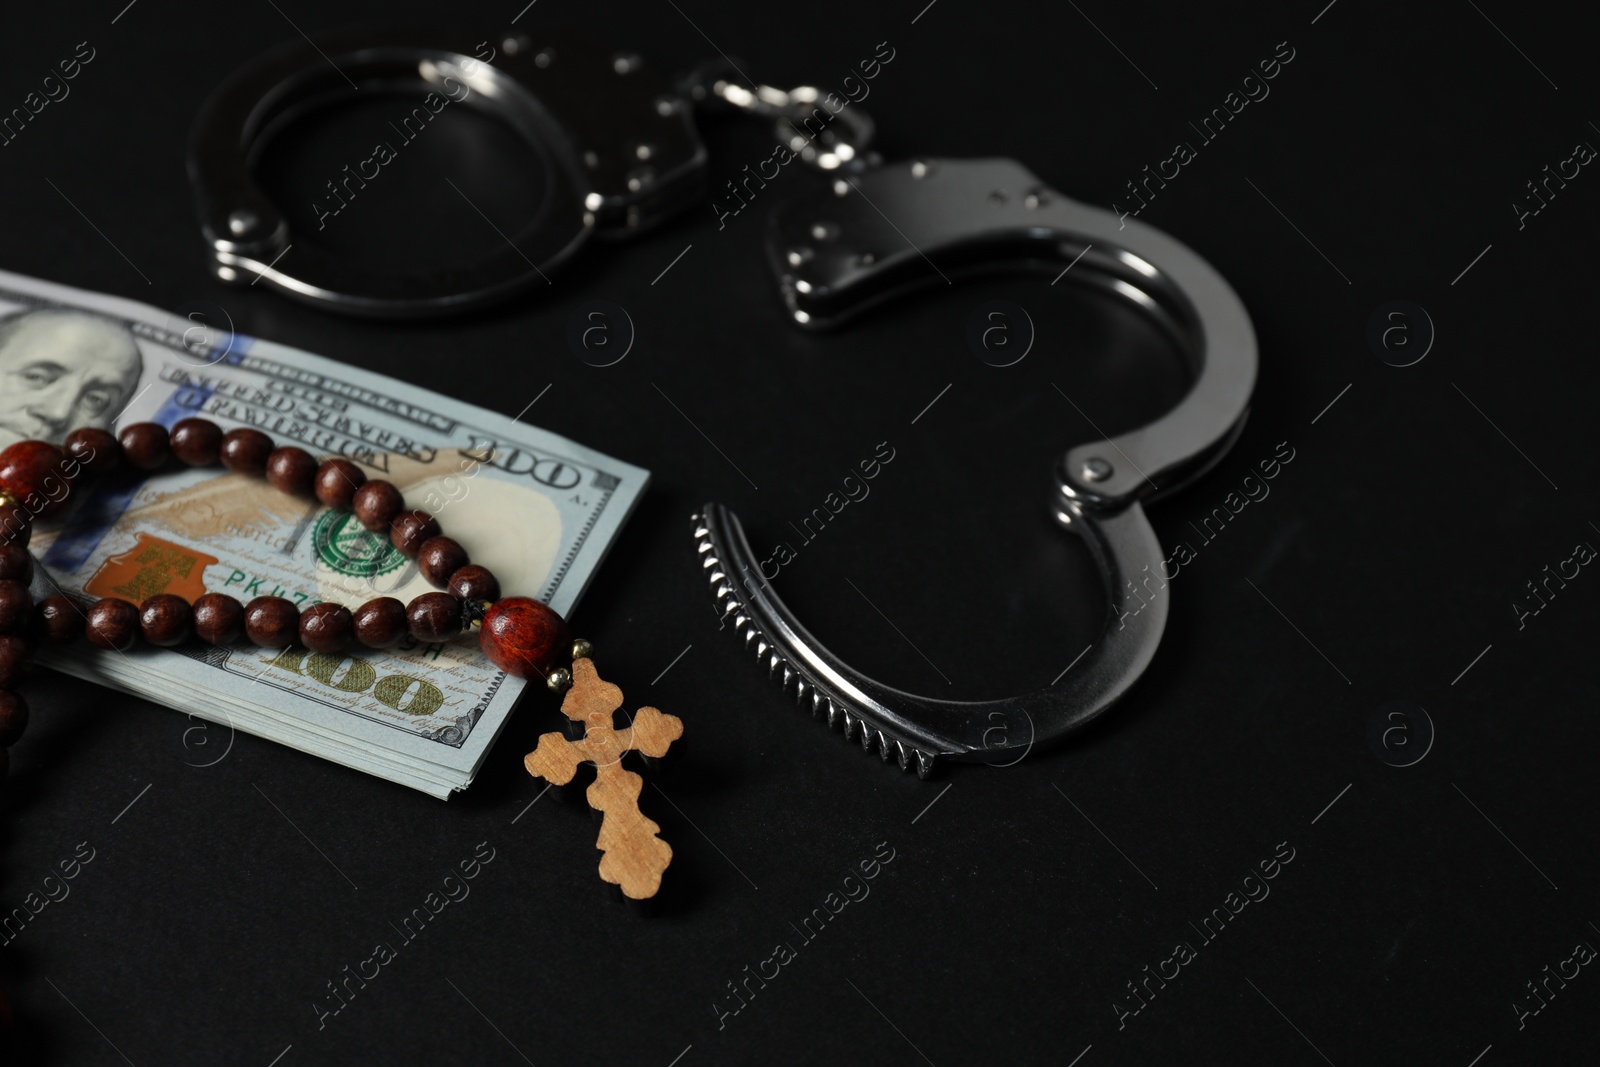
[(152, 566)]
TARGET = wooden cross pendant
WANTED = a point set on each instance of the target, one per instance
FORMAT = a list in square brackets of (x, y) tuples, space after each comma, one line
[(633, 857)]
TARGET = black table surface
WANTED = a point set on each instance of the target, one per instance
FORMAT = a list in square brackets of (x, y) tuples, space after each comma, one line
[(1429, 913)]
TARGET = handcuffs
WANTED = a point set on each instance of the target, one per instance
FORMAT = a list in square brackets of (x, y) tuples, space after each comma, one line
[(616, 143), (621, 153), (975, 216)]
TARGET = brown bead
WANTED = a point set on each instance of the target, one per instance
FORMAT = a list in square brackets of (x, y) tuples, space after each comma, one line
[(523, 637), (327, 627), (145, 445), (59, 619), (16, 607), (13, 717), (376, 504), (166, 620), (197, 442), (337, 482), (380, 623), (16, 525), (272, 622), (112, 624), (473, 582), (410, 529), (96, 450), (434, 617), (16, 659), (218, 619), (245, 451), (439, 558), (291, 470), (16, 565), (31, 471)]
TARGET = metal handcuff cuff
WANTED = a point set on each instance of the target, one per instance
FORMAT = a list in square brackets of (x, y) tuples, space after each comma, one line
[(616, 146), (621, 153), (976, 216)]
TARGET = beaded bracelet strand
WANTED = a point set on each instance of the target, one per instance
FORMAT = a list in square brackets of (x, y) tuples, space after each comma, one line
[(520, 635)]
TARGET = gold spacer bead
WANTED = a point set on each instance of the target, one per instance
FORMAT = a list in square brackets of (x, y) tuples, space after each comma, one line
[(7, 500), (582, 649), (558, 679)]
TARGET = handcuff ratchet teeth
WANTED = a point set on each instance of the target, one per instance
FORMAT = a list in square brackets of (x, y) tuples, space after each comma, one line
[(984, 216)]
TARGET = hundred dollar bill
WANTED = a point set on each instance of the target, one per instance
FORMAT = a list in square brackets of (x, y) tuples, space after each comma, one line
[(538, 510)]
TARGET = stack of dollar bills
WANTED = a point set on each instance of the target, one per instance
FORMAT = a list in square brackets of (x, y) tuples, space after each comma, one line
[(537, 509)]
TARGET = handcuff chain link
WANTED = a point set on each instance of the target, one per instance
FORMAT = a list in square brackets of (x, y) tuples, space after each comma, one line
[(841, 141)]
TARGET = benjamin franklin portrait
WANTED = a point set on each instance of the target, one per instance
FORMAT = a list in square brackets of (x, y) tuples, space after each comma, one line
[(61, 369)]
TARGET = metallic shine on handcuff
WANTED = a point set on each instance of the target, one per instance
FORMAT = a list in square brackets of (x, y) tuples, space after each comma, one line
[(970, 217), (588, 111)]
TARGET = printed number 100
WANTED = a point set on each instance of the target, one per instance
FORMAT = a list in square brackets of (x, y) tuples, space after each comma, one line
[(348, 674)]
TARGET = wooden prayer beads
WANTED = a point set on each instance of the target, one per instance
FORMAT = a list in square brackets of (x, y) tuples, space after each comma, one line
[(519, 635)]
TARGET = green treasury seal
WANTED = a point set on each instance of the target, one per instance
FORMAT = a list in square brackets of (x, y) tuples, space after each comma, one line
[(349, 548)]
